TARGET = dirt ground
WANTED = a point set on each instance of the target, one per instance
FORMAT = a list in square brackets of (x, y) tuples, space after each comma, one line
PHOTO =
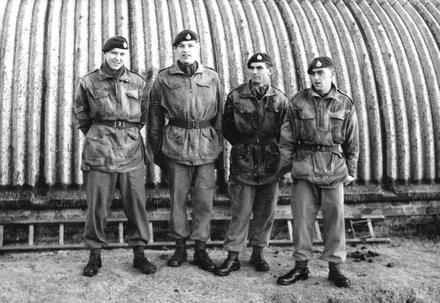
[(406, 270)]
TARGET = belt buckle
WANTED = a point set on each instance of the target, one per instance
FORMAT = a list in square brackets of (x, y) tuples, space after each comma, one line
[(118, 123), (194, 124), (319, 148)]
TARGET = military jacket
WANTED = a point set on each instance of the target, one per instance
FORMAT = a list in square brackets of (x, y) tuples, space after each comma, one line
[(99, 97), (175, 96), (319, 137), (252, 126)]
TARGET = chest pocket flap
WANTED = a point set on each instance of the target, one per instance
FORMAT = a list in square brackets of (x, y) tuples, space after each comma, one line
[(174, 84), (244, 107), (98, 93), (340, 115), (306, 114), (204, 82)]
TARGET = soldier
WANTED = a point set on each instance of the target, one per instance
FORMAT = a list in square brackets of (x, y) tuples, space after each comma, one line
[(109, 113), (190, 96), (320, 145), (254, 112)]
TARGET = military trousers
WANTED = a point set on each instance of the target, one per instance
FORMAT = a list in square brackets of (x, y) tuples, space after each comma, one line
[(100, 187), (307, 199), (199, 180), (258, 201)]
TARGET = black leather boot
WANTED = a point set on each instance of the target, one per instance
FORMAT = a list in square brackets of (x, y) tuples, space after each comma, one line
[(257, 259), (201, 258), (94, 263), (335, 276), (300, 272), (141, 262), (230, 264), (179, 255)]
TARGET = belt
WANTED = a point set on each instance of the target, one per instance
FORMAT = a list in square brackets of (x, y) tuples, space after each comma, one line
[(117, 123), (257, 140), (190, 124), (318, 147)]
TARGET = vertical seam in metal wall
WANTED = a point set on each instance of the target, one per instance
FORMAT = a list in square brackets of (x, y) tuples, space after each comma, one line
[(357, 90), (396, 90), (415, 164), (384, 92)]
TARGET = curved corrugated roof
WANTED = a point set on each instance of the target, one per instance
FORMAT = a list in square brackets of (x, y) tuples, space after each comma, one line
[(387, 54)]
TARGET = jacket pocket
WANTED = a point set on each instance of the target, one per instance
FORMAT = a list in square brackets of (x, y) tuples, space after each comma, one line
[(302, 164), (133, 148), (272, 156), (206, 91), (339, 165), (173, 141), (241, 158), (246, 111), (307, 124), (209, 143), (101, 106), (132, 106), (336, 121), (174, 84), (96, 148)]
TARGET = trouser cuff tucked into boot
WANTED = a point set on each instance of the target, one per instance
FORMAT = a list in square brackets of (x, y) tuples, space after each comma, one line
[(300, 272), (94, 263), (201, 257), (141, 262), (179, 255), (230, 264), (335, 275), (257, 259)]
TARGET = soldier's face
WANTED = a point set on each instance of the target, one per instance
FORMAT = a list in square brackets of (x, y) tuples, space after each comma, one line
[(260, 73), (321, 79), (186, 51), (116, 58)]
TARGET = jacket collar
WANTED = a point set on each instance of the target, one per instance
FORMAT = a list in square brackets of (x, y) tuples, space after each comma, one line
[(174, 69), (331, 94), (102, 75), (247, 93)]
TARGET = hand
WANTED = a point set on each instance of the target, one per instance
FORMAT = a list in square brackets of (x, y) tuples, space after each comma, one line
[(286, 180), (348, 180)]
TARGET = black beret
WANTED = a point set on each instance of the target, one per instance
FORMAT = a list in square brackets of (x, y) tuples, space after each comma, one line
[(320, 62), (185, 35), (114, 42), (260, 57)]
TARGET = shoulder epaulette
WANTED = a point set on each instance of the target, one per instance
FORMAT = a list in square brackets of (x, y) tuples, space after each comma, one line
[(345, 94), (279, 90), (93, 71), (211, 68), (136, 73), (298, 93)]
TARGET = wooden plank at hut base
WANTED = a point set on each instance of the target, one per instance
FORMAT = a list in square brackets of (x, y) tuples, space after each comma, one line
[(31, 235), (150, 224), (1, 235), (61, 234), (221, 213), (162, 245), (121, 232), (290, 229)]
